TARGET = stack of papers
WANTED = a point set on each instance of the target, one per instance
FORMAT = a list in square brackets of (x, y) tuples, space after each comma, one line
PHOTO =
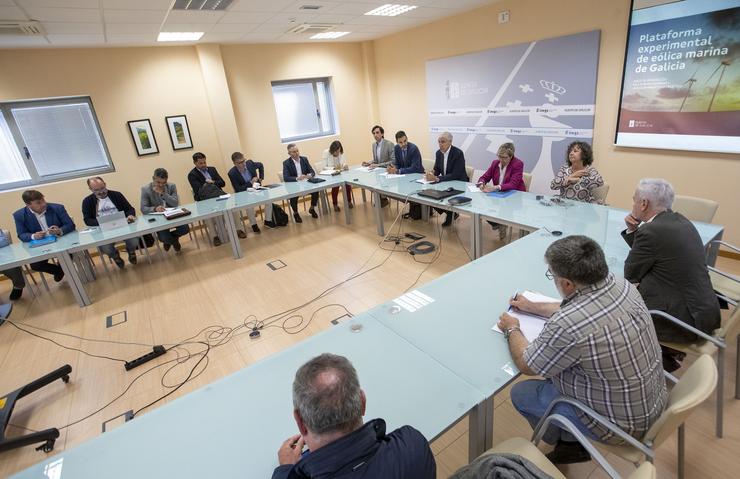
[(473, 189), (169, 212), (366, 169), (328, 171), (390, 175), (530, 324), (424, 181)]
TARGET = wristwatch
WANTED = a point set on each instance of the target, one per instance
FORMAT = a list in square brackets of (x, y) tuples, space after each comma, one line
[(508, 331)]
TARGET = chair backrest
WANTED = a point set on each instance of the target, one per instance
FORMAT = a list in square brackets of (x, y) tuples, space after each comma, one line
[(280, 177), (470, 171), (428, 164), (600, 193), (319, 166), (527, 177), (696, 385), (695, 209), (645, 471), (731, 327)]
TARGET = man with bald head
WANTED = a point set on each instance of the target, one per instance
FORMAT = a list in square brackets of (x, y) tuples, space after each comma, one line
[(328, 405), (101, 202)]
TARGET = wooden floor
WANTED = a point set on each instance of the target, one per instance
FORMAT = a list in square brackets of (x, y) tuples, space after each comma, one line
[(176, 298)]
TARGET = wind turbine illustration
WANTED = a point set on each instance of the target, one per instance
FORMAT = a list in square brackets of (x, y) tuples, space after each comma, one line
[(691, 82), (723, 65)]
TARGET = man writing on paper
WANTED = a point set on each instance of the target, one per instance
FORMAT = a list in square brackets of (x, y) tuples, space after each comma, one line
[(328, 405), (598, 347), (155, 198)]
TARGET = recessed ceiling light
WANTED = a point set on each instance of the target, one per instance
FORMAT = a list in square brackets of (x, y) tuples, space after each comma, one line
[(179, 36), (391, 10), (329, 35)]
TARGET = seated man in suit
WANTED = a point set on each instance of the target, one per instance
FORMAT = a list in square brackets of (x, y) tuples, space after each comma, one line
[(39, 219), (598, 346), (102, 202), (15, 275), (407, 156), (383, 151), (246, 174), (155, 197), (297, 168), (328, 405), (449, 164), (202, 175), (667, 261)]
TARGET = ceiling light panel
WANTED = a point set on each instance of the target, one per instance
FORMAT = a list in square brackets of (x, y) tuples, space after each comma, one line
[(329, 35), (390, 10), (179, 36)]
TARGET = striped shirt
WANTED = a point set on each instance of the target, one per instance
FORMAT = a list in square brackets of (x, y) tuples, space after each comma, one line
[(600, 348)]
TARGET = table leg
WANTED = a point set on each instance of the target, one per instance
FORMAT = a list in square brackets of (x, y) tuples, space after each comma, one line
[(236, 248), (324, 202), (378, 213), (78, 289), (480, 428), (345, 201), (713, 250)]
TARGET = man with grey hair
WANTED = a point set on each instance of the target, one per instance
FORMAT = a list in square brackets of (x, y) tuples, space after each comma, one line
[(298, 168), (328, 408), (449, 164), (597, 346), (668, 263)]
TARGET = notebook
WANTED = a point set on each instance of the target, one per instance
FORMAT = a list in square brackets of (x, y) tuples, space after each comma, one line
[(530, 324), (35, 243)]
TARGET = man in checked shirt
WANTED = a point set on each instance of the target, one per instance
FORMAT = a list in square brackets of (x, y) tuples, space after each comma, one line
[(598, 347)]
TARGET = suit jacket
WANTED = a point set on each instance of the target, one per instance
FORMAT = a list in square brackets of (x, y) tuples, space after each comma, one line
[(198, 179), (26, 223), (255, 168), (411, 163), (150, 199), (90, 207), (513, 179), (387, 153), (290, 173), (455, 165), (367, 452), (667, 258)]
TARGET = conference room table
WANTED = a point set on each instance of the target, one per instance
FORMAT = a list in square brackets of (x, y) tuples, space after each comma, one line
[(428, 366)]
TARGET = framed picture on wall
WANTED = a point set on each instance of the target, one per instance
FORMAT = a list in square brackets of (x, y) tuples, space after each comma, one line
[(143, 136), (179, 132)]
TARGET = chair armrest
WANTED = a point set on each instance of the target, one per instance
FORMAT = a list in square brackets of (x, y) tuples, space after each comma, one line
[(729, 300), (726, 244), (670, 377), (601, 420), (563, 423), (716, 341), (722, 273)]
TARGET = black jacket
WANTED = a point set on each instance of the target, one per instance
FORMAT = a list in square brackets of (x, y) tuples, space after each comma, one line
[(455, 165), (291, 174), (367, 453), (668, 260), (90, 207), (197, 180), (255, 168)]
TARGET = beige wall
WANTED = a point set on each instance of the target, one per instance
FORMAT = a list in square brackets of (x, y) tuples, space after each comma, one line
[(250, 69), (400, 63), (124, 84)]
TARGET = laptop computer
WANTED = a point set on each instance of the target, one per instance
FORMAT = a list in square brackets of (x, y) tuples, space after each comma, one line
[(112, 221), (439, 194)]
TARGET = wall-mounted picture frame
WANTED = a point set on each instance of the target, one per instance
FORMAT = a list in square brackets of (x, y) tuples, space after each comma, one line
[(143, 136), (179, 132)]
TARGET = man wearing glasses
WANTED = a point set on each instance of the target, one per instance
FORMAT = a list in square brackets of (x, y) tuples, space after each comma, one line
[(598, 346)]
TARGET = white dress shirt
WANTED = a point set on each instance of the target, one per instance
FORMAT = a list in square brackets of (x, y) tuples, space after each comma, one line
[(41, 219), (298, 167)]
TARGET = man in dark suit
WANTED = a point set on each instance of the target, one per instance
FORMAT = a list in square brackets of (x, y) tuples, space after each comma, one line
[(39, 219), (668, 262), (449, 165), (407, 156), (246, 174), (102, 202), (298, 168), (198, 177)]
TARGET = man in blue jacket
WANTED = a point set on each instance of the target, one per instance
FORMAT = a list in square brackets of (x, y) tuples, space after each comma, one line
[(408, 157), (39, 219), (101, 202), (246, 174), (328, 408)]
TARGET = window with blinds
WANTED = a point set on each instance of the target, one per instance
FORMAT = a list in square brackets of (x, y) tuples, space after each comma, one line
[(48, 140), (304, 108)]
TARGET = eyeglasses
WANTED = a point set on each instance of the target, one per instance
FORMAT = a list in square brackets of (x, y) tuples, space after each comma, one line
[(548, 274)]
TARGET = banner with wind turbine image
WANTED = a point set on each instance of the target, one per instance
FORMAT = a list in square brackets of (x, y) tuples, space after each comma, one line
[(681, 84)]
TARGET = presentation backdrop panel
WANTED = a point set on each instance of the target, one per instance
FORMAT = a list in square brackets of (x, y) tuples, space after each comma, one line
[(681, 84), (538, 95)]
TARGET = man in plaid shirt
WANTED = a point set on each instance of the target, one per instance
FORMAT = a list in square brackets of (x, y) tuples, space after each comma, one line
[(598, 347)]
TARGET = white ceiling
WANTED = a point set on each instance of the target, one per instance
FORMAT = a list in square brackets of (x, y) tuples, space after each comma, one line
[(99, 23)]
